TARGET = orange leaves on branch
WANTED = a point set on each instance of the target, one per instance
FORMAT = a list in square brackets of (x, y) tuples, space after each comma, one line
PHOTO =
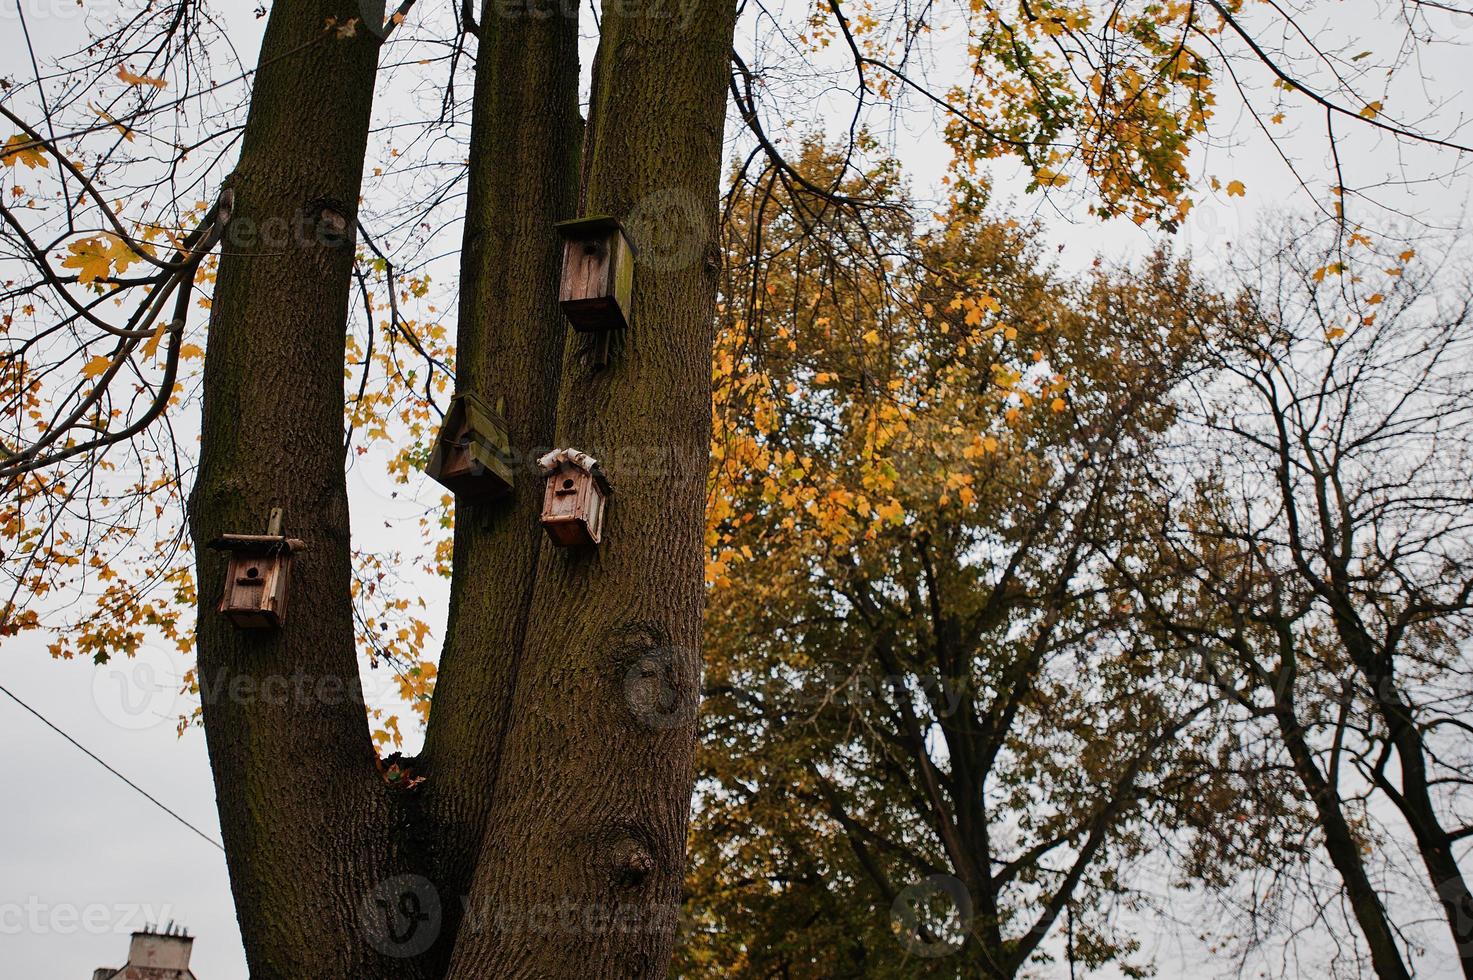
[(97, 257), (21, 150)]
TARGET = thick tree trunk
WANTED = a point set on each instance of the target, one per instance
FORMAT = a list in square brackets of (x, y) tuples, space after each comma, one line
[(559, 753), (581, 868), (303, 812), (525, 139)]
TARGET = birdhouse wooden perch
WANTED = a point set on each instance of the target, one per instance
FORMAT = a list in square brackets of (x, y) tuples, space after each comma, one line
[(471, 456), (598, 274), (573, 503), (257, 576)]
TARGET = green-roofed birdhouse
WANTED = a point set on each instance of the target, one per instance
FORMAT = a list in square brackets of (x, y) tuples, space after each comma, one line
[(472, 455), (598, 274)]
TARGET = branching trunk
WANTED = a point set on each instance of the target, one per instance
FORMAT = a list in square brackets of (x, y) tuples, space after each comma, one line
[(1340, 844), (558, 759), (582, 864), (525, 136)]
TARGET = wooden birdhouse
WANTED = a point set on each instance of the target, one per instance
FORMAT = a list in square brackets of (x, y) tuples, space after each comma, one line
[(574, 500), (471, 456), (598, 274), (257, 576)]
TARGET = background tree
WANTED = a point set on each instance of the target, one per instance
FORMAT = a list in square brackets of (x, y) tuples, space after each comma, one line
[(1321, 558), (926, 711)]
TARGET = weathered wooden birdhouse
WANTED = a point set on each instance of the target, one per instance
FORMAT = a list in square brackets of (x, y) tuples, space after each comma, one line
[(472, 454), (257, 576), (573, 503), (598, 274)]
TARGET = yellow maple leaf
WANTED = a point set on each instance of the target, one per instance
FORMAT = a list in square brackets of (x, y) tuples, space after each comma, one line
[(1058, 405), (90, 258), (1049, 178), (22, 149), (1372, 110), (1235, 188), (95, 258), (151, 346), (97, 366)]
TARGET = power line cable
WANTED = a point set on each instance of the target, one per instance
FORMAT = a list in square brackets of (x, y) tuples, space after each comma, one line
[(139, 789)]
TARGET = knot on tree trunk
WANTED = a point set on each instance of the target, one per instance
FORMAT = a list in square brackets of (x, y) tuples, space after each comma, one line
[(656, 681)]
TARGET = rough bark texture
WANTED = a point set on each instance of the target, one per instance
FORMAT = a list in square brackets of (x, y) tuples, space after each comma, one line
[(303, 813), (525, 136), (582, 863)]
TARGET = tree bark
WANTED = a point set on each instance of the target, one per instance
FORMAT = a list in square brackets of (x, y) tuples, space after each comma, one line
[(581, 867), (525, 137), (303, 812)]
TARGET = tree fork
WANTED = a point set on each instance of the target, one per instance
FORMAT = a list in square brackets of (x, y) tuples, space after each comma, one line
[(583, 859), (304, 815), (525, 138)]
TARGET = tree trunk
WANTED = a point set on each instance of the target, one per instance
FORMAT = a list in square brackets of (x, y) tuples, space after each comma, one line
[(559, 752), (1340, 845), (581, 868), (525, 136), (1415, 803), (303, 812)]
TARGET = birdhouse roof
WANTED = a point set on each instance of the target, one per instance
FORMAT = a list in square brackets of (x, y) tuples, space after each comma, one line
[(258, 544), (559, 458), (485, 422), (597, 224)]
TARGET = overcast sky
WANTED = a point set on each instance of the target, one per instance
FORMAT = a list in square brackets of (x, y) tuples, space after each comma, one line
[(87, 860)]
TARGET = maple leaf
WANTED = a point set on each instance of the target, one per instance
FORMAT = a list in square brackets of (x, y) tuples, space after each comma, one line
[(23, 150), (1236, 189), (97, 367), (90, 258), (151, 346), (95, 258)]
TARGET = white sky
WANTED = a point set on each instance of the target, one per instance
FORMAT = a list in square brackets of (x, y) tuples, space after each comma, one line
[(87, 860)]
